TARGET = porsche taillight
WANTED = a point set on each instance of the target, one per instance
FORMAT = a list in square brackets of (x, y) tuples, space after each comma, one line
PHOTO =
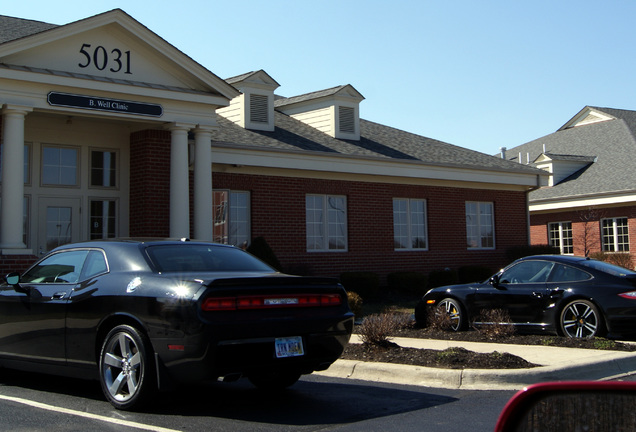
[(631, 295), (270, 301)]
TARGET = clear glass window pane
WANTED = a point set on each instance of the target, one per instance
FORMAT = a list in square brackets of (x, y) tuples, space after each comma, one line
[(59, 166), (103, 219), (103, 168)]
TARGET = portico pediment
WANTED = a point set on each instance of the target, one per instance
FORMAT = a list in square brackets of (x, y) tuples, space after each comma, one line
[(104, 53)]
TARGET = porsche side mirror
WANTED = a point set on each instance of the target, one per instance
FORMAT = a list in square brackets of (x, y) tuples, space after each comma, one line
[(571, 406), (494, 280)]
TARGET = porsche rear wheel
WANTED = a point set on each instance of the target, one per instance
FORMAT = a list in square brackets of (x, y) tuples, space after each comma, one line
[(126, 368), (454, 312), (581, 319)]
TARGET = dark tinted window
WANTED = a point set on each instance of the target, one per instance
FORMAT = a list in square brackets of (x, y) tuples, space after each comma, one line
[(203, 258), (563, 273), (527, 272), (63, 267)]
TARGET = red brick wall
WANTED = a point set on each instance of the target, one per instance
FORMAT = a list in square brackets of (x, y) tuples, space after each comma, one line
[(150, 183), (278, 214), (586, 227)]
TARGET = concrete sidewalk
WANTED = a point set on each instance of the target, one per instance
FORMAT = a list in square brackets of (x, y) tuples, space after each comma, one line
[(557, 364)]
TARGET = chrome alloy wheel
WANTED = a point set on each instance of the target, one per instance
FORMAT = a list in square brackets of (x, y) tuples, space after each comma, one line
[(453, 310), (125, 373), (581, 319)]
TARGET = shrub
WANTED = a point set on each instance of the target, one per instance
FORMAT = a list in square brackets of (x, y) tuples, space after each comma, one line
[(377, 329), (355, 303), (517, 252), (620, 259), (467, 274), (495, 323), (438, 320), (438, 278), (366, 284), (260, 249), (408, 283)]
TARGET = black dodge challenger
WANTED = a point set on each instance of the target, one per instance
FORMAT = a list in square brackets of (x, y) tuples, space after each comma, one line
[(146, 315)]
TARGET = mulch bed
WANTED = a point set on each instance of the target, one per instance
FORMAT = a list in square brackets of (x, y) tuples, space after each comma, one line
[(459, 358)]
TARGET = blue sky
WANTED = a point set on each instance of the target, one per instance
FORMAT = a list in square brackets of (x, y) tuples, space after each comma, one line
[(477, 74)]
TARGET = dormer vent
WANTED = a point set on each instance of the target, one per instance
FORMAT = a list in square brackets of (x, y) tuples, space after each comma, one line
[(259, 112), (346, 119)]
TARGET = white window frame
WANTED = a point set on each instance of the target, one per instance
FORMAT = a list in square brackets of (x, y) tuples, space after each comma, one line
[(561, 240), (60, 167), (325, 224), (615, 245), (476, 222), (406, 227)]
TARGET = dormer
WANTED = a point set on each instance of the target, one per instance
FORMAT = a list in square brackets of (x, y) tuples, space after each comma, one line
[(254, 107), (561, 167), (334, 111), (586, 116)]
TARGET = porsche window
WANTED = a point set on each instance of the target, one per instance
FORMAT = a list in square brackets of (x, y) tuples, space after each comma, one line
[(563, 273), (527, 272)]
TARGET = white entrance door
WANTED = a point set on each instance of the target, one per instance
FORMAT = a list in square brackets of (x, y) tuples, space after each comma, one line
[(59, 222)]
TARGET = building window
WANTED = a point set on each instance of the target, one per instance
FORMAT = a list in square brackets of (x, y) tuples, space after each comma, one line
[(103, 168), (615, 235), (480, 225), (103, 219), (232, 217), (59, 166), (409, 224), (326, 223), (560, 234)]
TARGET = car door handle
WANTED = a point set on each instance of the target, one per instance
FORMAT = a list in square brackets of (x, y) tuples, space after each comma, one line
[(58, 295), (537, 294)]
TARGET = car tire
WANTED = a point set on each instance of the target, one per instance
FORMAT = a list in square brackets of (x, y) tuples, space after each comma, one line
[(126, 370), (581, 319), (455, 312), (274, 380)]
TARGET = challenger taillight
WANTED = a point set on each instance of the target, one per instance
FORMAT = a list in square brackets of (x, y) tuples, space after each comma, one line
[(270, 301)]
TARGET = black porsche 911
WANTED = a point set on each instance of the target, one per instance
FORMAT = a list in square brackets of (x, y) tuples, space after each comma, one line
[(146, 315), (566, 295)]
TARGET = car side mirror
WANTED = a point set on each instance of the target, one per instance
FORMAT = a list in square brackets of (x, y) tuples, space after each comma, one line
[(13, 278), (571, 406), (494, 280)]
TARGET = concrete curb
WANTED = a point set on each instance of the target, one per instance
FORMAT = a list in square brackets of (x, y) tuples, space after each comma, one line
[(574, 365)]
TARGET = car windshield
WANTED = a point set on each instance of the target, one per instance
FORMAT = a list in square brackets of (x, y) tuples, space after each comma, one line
[(611, 269), (203, 258)]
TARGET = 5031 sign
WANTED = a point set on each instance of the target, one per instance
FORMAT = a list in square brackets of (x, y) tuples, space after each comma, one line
[(100, 58)]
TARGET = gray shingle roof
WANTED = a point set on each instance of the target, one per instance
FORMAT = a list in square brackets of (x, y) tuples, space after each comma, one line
[(376, 141), (15, 28), (611, 143)]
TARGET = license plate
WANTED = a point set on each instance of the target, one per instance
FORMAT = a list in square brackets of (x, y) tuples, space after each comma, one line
[(289, 347)]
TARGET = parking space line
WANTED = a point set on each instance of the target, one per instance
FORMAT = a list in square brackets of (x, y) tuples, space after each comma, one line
[(87, 415)]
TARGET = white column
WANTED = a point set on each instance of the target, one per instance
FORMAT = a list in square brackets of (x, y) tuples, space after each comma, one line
[(203, 183), (11, 225), (179, 181)]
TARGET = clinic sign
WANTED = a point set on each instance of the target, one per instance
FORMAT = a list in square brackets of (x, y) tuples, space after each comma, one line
[(104, 104)]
